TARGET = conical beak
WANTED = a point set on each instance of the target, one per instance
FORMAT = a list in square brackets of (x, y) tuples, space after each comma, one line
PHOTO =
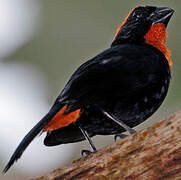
[(162, 15)]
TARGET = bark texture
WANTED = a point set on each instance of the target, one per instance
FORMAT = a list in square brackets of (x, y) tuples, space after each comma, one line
[(151, 154)]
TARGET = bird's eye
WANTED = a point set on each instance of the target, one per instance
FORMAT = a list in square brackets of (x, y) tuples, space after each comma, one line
[(136, 15)]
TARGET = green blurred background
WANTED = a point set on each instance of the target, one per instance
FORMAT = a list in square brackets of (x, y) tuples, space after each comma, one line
[(42, 43)]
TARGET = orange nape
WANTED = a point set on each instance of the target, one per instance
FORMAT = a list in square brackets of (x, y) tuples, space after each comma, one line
[(156, 37), (60, 120), (120, 26)]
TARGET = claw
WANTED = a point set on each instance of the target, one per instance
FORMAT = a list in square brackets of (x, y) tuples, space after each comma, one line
[(121, 136), (85, 153), (132, 131)]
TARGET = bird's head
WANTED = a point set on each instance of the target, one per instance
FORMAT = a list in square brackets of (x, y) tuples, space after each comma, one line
[(146, 24)]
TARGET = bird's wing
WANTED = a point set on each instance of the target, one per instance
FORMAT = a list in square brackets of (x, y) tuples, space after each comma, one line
[(123, 68)]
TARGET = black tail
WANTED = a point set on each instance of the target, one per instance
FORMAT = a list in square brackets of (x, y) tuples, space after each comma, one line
[(64, 135), (31, 135)]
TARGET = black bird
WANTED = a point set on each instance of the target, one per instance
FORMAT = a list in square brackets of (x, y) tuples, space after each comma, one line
[(114, 91)]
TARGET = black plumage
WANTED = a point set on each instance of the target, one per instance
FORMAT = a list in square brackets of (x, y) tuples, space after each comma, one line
[(120, 87), (132, 87)]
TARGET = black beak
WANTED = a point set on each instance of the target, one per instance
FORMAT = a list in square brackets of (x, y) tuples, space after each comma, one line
[(162, 15)]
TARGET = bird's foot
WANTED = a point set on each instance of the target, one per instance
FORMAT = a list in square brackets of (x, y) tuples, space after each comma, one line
[(85, 153), (121, 136), (131, 131)]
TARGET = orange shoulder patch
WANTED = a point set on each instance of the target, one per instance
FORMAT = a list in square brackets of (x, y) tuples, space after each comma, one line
[(60, 120)]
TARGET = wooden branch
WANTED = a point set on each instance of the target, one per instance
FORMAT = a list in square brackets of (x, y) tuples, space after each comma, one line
[(152, 154)]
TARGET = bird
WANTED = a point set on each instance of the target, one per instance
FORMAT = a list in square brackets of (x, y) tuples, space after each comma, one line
[(114, 91)]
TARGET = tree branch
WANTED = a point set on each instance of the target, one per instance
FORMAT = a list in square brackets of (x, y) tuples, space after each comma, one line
[(154, 154)]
